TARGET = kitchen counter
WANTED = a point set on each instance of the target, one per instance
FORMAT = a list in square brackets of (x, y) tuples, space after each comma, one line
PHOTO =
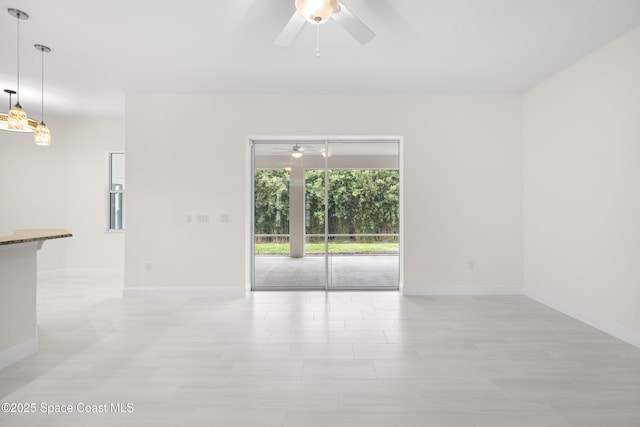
[(23, 236), (18, 286)]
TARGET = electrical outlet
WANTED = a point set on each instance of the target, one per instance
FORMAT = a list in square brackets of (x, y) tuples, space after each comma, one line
[(203, 219), (224, 218)]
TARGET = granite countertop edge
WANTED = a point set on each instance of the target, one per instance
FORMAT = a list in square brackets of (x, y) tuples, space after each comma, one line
[(25, 236)]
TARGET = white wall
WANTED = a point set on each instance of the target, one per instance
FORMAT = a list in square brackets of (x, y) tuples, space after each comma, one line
[(91, 247), (582, 192), (33, 193), (62, 186), (462, 177)]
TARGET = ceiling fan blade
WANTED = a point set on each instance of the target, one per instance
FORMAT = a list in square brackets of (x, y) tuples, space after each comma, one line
[(353, 25), (291, 30)]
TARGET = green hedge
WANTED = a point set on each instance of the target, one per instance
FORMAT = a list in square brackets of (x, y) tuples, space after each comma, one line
[(360, 201)]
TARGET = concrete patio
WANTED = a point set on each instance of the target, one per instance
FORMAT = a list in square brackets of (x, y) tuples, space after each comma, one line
[(344, 272)]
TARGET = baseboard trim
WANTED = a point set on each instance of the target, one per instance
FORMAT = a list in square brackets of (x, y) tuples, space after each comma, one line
[(612, 328), (184, 292), (19, 352), (418, 290)]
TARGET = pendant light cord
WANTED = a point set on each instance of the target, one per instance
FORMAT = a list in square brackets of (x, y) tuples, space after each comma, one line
[(318, 40), (42, 88), (18, 51)]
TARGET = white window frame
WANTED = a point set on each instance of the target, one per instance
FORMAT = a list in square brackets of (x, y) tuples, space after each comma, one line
[(109, 192)]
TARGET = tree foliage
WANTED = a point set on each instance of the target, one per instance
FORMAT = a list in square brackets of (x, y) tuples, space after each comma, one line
[(271, 201), (360, 201)]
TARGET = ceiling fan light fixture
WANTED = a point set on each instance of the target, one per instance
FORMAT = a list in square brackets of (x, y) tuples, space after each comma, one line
[(296, 151), (317, 11)]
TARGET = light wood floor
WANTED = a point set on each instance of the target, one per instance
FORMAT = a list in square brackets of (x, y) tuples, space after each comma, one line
[(314, 359)]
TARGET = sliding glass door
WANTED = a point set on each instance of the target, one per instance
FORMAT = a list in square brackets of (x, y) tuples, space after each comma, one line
[(325, 215), (280, 260), (363, 213)]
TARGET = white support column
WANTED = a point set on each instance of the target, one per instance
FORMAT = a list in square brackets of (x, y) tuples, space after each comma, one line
[(296, 209)]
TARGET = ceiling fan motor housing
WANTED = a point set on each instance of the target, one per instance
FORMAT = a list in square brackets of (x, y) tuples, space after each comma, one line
[(317, 11)]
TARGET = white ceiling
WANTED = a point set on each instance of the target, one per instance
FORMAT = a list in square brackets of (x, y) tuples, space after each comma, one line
[(105, 49)]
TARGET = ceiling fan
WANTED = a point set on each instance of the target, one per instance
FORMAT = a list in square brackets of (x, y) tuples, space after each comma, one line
[(295, 151), (318, 12)]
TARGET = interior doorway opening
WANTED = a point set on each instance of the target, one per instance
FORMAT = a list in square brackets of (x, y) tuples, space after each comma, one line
[(325, 214)]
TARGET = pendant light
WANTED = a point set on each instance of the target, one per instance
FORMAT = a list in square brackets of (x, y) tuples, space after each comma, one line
[(4, 117), (17, 119), (42, 135)]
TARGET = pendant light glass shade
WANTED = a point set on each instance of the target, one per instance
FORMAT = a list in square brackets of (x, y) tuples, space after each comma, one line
[(42, 135), (4, 124), (4, 117), (317, 11), (17, 119)]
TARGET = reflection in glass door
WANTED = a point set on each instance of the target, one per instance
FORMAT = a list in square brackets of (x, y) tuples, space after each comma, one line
[(326, 215)]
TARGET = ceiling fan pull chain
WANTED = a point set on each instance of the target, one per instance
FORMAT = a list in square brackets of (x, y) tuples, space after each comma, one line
[(318, 40)]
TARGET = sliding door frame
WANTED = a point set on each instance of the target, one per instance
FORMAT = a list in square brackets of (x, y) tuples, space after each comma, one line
[(326, 141)]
